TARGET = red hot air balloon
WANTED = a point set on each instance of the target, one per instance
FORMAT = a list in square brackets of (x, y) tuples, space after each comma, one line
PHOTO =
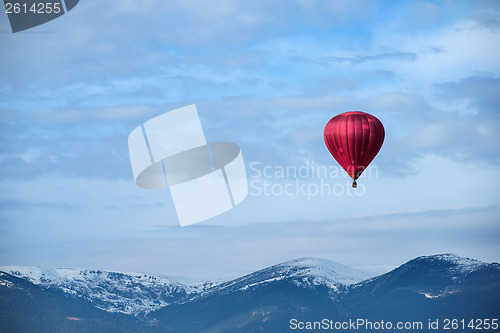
[(354, 139)]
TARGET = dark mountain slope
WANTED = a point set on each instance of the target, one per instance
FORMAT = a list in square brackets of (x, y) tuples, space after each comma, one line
[(25, 307)]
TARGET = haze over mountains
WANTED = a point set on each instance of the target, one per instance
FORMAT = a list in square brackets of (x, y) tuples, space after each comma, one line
[(297, 292)]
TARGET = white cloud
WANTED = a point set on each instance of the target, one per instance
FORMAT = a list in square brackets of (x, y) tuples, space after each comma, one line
[(465, 50), (108, 115)]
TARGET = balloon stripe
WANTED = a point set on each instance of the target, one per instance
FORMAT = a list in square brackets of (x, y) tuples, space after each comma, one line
[(365, 136), (371, 142), (347, 145), (358, 137)]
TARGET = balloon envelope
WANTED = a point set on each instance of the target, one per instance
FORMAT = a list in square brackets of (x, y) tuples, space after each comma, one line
[(354, 139)]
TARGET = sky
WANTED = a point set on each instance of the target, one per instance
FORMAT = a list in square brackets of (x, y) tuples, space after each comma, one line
[(266, 75)]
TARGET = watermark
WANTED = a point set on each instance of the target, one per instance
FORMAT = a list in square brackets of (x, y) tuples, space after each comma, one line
[(205, 179), (355, 325), (367, 325), (307, 180), (26, 14)]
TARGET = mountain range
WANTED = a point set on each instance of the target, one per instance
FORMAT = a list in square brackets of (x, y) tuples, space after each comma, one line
[(308, 294)]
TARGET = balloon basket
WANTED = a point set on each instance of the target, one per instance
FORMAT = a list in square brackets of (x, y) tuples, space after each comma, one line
[(354, 184)]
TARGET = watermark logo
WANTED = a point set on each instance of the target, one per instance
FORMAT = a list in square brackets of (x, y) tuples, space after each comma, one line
[(308, 180), (26, 14), (205, 180)]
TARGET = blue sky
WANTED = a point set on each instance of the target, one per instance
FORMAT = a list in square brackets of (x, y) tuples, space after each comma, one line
[(266, 75)]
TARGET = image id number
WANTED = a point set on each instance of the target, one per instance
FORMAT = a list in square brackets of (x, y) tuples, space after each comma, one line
[(474, 324), (35, 8)]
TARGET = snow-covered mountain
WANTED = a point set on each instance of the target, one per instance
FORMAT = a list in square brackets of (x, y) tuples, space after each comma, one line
[(431, 273), (443, 283), (303, 272), (457, 266), (439, 286), (131, 293), (138, 293)]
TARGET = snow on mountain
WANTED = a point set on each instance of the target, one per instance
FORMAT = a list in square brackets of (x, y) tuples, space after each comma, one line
[(130, 293), (457, 265), (433, 276), (436, 286), (304, 272), (316, 271), (138, 294)]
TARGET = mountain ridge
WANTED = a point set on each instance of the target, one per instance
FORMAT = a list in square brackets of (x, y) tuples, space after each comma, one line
[(130, 293), (434, 286), (305, 272), (95, 285)]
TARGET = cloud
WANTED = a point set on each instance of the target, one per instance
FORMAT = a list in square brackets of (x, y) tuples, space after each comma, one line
[(67, 156), (118, 114), (487, 15), (477, 93), (91, 142), (379, 243), (65, 143), (473, 135), (142, 37), (361, 59), (9, 204)]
